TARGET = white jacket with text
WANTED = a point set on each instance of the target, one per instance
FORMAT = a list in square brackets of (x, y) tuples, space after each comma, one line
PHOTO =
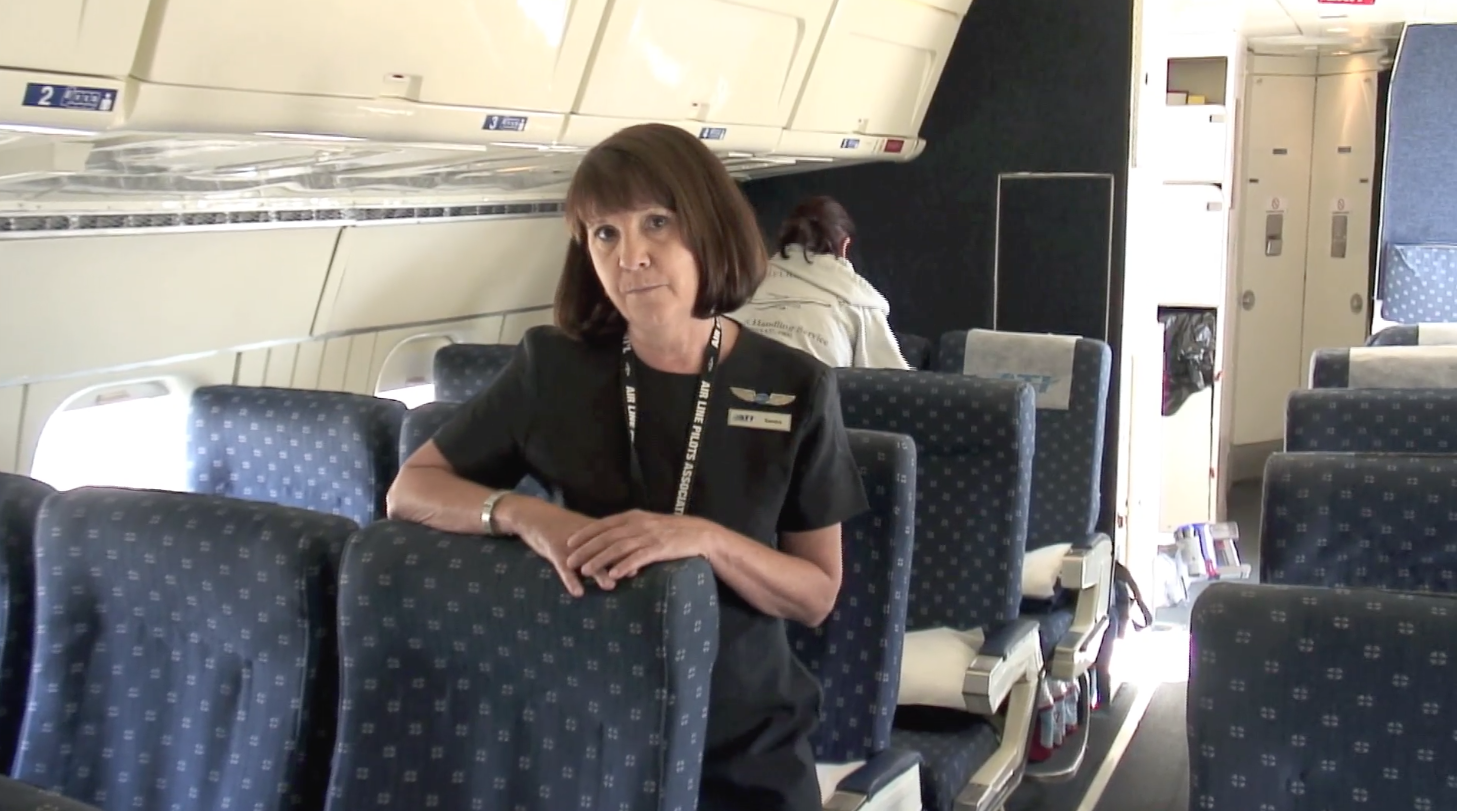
[(823, 307)]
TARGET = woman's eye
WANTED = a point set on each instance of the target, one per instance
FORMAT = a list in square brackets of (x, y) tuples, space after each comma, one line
[(605, 233), (657, 221)]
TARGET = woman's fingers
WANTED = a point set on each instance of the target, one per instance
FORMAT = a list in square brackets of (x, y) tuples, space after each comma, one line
[(570, 579)]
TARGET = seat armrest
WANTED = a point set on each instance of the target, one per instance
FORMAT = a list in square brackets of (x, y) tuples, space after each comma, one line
[(1004, 658), (1087, 572), (862, 785), (1079, 570), (1016, 677), (18, 796)]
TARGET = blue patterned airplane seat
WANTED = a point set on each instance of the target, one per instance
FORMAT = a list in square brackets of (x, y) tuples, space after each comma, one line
[(20, 501), (969, 657), (185, 652), (462, 371), (1403, 421), (473, 680), (1314, 698), (856, 653), (1360, 520), (328, 451)]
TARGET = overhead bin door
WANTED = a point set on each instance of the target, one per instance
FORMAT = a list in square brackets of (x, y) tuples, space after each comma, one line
[(878, 66), (502, 54), (71, 36), (724, 61)]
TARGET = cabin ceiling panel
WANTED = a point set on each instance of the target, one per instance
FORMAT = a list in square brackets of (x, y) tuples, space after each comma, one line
[(388, 275), (99, 302)]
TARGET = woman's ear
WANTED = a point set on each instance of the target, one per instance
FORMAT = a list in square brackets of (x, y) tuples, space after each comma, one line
[(845, 248)]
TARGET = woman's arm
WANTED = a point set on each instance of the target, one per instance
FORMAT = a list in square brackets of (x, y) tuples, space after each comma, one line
[(427, 491), (799, 584), (877, 347)]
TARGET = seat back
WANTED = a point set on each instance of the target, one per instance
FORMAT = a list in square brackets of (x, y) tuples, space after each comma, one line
[(185, 653), (20, 503), (915, 349), (421, 423), (1071, 377), (327, 451), (1399, 335), (462, 371), (1360, 520), (1385, 367), (1306, 697), (974, 447), (856, 653), (1407, 421), (472, 680)]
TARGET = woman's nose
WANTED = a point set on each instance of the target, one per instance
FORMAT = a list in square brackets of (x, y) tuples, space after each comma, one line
[(632, 252)]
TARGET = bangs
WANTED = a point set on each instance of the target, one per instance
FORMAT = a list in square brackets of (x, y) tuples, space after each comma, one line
[(610, 181)]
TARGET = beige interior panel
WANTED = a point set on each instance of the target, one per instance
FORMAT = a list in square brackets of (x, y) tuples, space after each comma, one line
[(281, 360), (385, 276), (12, 403), (154, 297), (252, 367), (308, 365), (43, 399), (518, 323)]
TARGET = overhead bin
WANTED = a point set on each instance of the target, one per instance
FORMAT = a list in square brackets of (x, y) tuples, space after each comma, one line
[(878, 66), (59, 103), (82, 37), (499, 54), (157, 108), (847, 147), (729, 62)]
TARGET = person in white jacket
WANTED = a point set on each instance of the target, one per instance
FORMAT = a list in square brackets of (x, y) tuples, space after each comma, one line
[(812, 299)]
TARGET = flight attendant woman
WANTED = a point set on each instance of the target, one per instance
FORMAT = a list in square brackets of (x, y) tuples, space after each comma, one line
[(671, 432)]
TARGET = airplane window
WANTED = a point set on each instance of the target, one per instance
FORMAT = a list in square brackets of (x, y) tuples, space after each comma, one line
[(408, 371), (412, 396), (133, 435)]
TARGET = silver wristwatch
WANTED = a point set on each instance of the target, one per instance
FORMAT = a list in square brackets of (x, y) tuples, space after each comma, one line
[(488, 512)]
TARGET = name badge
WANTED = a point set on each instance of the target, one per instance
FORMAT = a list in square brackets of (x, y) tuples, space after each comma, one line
[(761, 420)]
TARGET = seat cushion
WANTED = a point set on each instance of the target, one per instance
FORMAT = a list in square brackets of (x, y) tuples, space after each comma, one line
[(952, 745), (1054, 618)]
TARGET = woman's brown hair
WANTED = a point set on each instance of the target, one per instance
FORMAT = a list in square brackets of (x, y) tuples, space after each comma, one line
[(818, 225), (659, 165)]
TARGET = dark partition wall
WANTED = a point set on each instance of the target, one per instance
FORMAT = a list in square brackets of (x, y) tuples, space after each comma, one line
[(1054, 229), (1031, 86)]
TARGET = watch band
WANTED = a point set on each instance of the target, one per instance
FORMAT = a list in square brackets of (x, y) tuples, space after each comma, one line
[(488, 512)]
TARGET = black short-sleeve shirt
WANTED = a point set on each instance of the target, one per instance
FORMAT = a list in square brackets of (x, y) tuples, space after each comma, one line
[(773, 458)]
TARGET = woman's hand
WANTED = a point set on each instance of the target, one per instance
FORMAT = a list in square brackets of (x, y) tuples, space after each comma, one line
[(619, 547), (545, 528)]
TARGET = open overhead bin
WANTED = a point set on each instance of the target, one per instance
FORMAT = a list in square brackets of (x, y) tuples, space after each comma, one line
[(878, 66), (63, 63)]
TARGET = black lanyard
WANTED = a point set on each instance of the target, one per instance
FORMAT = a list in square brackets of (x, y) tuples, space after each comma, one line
[(695, 429)]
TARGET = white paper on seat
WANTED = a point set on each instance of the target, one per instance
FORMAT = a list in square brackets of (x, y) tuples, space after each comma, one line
[(1436, 334), (1041, 569), (1404, 367), (830, 775), (934, 664), (1045, 361)]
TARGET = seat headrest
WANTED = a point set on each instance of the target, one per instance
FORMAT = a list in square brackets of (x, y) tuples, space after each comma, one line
[(1043, 361), (1403, 367)]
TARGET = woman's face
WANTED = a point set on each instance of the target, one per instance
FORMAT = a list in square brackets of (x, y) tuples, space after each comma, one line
[(644, 265)]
